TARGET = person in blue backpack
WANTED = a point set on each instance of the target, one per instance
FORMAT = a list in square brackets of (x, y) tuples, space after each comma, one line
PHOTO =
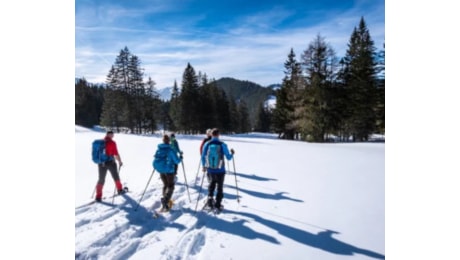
[(213, 161), (165, 160), (111, 152)]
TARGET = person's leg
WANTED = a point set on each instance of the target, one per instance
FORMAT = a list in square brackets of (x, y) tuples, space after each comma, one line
[(165, 184), (102, 171), (220, 189), (112, 166), (169, 187), (211, 189)]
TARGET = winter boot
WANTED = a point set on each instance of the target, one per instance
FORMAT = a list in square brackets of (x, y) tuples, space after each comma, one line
[(164, 204), (123, 191), (99, 192), (218, 206), (210, 203)]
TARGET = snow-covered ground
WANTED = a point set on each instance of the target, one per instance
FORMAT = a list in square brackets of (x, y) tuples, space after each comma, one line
[(297, 200)]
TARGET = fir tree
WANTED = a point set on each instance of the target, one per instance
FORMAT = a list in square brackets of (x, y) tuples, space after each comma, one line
[(380, 92), (263, 120), (244, 122), (234, 122), (359, 79), (88, 103), (288, 110), (320, 64), (174, 108), (209, 113), (152, 108), (189, 101), (126, 96)]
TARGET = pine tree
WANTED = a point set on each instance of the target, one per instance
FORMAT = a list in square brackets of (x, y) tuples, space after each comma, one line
[(380, 92), (263, 120), (288, 111), (208, 105), (189, 101), (244, 122), (138, 99), (359, 79), (234, 122), (320, 64), (124, 100), (88, 103), (174, 108), (152, 108), (113, 101)]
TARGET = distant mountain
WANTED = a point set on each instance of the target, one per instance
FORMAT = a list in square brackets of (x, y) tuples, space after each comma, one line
[(165, 93), (252, 93)]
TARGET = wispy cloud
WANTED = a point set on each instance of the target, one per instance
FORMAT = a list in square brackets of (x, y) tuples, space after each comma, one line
[(251, 47)]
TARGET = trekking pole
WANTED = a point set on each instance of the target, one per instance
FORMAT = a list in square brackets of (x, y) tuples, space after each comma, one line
[(115, 189), (198, 170), (94, 191), (199, 193), (145, 189), (186, 184), (236, 183)]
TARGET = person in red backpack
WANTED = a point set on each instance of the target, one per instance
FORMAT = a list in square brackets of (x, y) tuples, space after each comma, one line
[(111, 151)]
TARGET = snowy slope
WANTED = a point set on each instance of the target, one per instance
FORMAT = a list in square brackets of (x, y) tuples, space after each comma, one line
[(297, 200)]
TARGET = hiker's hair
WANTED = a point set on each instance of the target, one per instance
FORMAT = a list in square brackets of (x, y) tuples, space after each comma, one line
[(166, 139)]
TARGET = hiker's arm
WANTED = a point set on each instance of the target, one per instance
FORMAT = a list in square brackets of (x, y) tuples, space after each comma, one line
[(228, 155), (203, 159), (118, 158)]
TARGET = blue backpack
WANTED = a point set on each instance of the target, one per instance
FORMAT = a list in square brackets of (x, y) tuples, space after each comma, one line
[(161, 160), (98, 153), (214, 155)]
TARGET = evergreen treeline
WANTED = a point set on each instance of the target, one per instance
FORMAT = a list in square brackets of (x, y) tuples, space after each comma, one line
[(320, 95), (88, 103)]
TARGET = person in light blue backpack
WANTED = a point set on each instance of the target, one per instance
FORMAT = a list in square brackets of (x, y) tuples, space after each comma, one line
[(213, 161), (164, 162)]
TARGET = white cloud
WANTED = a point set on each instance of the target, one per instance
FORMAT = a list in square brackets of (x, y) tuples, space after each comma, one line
[(244, 52)]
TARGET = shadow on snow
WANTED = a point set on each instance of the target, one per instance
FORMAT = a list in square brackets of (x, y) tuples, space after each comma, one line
[(322, 240), (274, 196)]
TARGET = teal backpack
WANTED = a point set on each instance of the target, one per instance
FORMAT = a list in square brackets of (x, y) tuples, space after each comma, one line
[(214, 156)]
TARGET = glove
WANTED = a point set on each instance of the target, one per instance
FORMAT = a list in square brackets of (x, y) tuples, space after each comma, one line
[(121, 164), (232, 151), (204, 169), (181, 157)]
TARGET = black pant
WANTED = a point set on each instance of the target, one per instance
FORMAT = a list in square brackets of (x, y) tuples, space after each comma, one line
[(216, 179), (168, 185)]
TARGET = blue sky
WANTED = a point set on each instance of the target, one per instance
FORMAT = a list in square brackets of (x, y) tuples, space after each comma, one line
[(246, 40)]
